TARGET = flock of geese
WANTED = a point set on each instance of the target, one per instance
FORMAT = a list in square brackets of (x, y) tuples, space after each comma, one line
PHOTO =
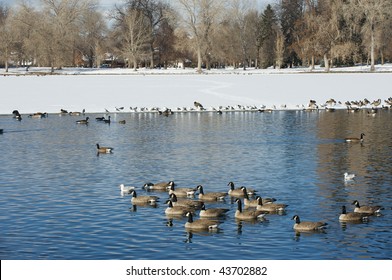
[(179, 202), (190, 202), (330, 105)]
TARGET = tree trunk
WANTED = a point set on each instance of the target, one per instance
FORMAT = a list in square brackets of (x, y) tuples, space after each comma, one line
[(152, 57), (372, 60), (198, 59), (326, 63), (312, 63), (134, 64), (6, 60)]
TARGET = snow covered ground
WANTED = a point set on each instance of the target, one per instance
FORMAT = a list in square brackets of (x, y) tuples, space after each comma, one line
[(98, 89)]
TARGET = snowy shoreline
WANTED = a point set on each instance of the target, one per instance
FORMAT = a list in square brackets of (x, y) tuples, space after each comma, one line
[(98, 90)]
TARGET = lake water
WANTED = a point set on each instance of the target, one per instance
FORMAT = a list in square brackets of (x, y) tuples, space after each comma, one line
[(59, 200)]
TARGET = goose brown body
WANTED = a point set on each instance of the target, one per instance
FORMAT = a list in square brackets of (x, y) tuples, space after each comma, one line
[(247, 214), (196, 204), (352, 216), (212, 212), (144, 199), (83, 121), (203, 224), (239, 192), (307, 226), (355, 139), (254, 203), (212, 196), (161, 186), (177, 210), (270, 207), (182, 192), (104, 150), (366, 209)]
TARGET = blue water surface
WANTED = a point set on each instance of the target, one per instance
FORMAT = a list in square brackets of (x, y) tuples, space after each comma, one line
[(60, 200)]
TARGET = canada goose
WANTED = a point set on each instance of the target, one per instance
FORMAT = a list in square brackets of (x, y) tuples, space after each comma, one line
[(104, 150), (38, 115), (126, 189), (367, 209), (107, 120), (348, 177), (200, 224), (75, 113), (239, 192), (198, 105), (354, 139), (196, 204), (16, 115), (212, 212), (166, 112), (247, 214), (162, 186), (254, 203), (307, 226), (352, 216), (212, 196), (181, 192), (270, 207), (83, 121), (376, 103), (176, 210), (144, 199), (100, 119)]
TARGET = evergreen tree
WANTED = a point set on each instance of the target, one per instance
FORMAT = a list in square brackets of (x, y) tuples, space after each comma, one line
[(268, 36), (291, 12)]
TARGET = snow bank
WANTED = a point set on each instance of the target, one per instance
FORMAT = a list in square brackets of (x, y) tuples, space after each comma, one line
[(98, 89)]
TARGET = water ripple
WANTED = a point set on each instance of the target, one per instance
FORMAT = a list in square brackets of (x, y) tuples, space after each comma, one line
[(60, 200)]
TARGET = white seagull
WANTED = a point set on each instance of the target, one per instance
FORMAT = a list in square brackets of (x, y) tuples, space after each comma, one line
[(348, 177), (126, 189)]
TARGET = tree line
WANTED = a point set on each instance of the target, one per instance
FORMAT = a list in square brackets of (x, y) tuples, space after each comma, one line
[(198, 33)]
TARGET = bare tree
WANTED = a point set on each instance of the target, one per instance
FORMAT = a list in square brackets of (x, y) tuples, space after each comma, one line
[(132, 32), (155, 12), (373, 14), (92, 34), (165, 43), (6, 35), (239, 12), (51, 33), (330, 29), (200, 18), (279, 49), (306, 43)]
